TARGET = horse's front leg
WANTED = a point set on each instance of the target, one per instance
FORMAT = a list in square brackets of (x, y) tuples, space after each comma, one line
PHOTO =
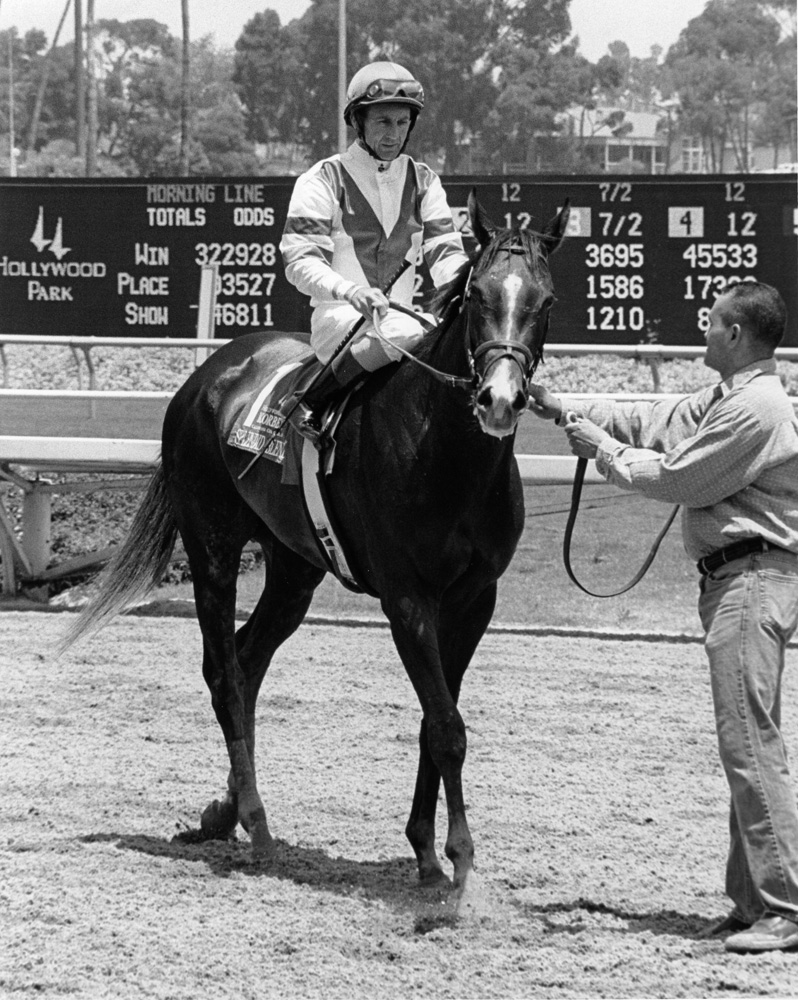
[(442, 747), (461, 625), (420, 829)]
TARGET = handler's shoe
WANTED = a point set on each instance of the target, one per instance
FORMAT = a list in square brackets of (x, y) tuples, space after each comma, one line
[(769, 933), (731, 924)]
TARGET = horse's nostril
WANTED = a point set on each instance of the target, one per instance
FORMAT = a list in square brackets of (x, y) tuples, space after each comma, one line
[(485, 398), (519, 402)]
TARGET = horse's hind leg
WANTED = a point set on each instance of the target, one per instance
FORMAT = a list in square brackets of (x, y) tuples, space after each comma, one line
[(214, 561), (215, 524), (288, 590)]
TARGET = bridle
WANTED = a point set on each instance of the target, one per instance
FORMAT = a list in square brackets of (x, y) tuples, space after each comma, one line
[(523, 356), (510, 349)]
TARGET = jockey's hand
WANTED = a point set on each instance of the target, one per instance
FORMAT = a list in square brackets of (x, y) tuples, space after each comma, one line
[(543, 403), (366, 300), (584, 437)]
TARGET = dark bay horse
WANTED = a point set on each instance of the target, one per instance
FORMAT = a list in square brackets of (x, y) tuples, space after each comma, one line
[(428, 497)]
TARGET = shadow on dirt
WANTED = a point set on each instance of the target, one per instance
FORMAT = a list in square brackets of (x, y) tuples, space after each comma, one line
[(570, 918), (393, 880)]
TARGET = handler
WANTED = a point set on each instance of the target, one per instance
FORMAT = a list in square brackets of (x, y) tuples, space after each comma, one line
[(729, 455), (352, 220)]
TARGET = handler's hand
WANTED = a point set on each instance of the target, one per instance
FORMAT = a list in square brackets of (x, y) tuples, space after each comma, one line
[(366, 300), (543, 403), (584, 437)]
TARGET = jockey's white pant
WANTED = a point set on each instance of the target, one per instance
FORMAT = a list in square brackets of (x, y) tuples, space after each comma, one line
[(331, 325)]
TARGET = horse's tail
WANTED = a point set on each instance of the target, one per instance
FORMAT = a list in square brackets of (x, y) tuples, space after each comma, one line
[(136, 568)]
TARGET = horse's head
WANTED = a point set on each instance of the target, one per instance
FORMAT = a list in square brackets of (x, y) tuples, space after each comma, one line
[(509, 296)]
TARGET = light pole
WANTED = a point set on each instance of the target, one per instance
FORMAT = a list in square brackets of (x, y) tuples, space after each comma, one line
[(341, 75), (12, 152)]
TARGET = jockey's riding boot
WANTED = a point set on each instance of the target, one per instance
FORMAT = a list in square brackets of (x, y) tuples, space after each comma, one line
[(343, 374)]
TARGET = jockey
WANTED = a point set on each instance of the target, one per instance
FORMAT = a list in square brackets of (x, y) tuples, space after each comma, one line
[(353, 218)]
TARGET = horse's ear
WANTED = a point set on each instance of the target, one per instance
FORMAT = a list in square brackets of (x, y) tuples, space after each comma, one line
[(481, 226), (555, 231)]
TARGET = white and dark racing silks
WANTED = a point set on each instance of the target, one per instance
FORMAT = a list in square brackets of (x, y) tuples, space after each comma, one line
[(351, 222)]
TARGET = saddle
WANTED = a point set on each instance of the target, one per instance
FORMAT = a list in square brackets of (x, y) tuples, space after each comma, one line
[(263, 429)]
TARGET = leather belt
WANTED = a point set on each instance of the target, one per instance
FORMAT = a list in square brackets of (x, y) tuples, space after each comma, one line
[(736, 551)]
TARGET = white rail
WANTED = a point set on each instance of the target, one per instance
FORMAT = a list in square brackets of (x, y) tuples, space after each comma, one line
[(642, 351), (54, 341), (29, 556), (121, 455)]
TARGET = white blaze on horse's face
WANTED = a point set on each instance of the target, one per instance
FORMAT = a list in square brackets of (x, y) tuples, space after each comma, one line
[(512, 289), (502, 395)]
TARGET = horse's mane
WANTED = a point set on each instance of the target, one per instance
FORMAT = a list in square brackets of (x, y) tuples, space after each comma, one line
[(447, 301)]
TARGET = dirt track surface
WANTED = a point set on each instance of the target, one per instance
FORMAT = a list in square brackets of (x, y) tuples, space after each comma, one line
[(595, 800)]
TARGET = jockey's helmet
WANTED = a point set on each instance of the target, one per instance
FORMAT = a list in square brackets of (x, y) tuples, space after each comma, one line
[(382, 83)]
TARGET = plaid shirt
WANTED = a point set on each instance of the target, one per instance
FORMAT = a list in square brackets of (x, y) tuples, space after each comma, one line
[(728, 454)]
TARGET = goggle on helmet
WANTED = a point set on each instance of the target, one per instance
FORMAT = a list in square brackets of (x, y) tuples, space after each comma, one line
[(383, 83)]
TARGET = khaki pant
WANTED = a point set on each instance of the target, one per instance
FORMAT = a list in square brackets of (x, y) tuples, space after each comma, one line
[(749, 609)]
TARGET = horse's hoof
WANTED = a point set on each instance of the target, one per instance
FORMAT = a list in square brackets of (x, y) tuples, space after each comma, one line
[(433, 878), (470, 900), (263, 849), (218, 820)]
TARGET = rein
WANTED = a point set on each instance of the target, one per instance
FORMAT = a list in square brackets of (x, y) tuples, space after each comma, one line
[(510, 348), (454, 381), (581, 465), (576, 494)]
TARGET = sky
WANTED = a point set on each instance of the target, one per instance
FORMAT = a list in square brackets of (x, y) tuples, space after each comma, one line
[(639, 23)]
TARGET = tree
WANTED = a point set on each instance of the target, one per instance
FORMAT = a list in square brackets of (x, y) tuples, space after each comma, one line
[(613, 72), (311, 39), (141, 108), (536, 89), (220, 144), (44, 76), (776, 124), (448, 48), (724, 62), (266, 78), (143, 121), (20, 61), (455, 47)]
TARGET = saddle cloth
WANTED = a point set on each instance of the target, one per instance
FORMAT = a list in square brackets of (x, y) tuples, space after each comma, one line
[(262, 429)]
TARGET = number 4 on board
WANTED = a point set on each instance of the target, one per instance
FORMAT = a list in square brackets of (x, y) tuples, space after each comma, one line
[(687, 222)]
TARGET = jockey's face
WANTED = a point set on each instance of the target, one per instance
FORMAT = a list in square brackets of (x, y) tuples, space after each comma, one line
[(385, 128)]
